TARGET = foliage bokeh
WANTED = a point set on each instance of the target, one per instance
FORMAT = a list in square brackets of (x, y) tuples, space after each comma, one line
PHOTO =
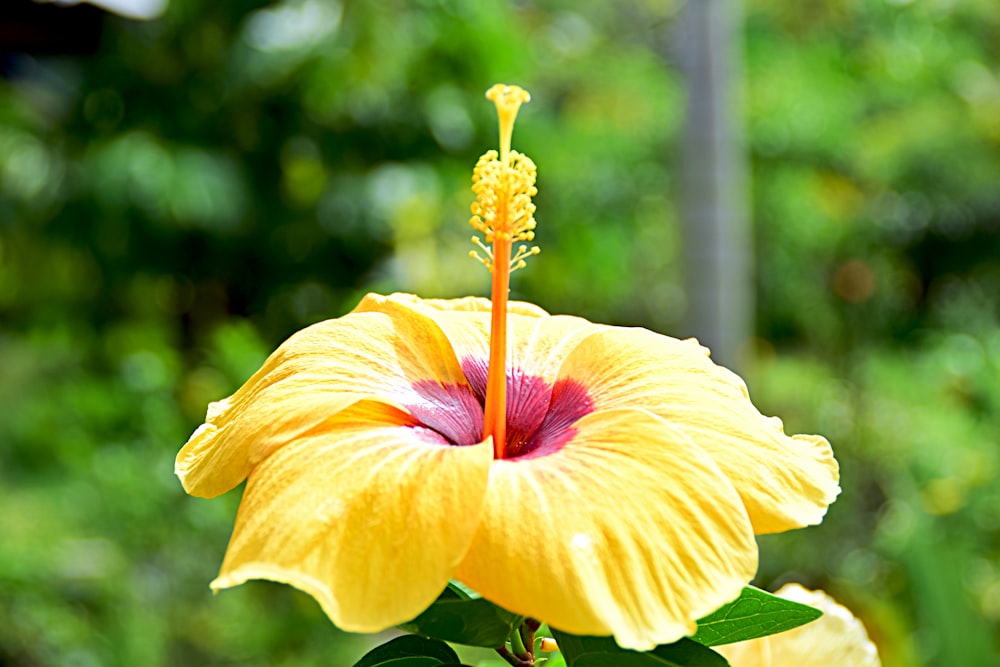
[(175, 204)]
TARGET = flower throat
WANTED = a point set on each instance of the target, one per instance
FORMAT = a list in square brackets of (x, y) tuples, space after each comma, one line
[(504, 184)]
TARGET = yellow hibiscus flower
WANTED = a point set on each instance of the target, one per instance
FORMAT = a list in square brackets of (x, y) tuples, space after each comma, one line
[(605, 480), (835, 638)]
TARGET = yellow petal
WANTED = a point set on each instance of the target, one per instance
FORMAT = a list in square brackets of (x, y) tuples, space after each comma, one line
[(222, 451), (835, 638), (316, 373), (628, 529), (785, 481), (467, 303), (538, 342), (370, 517)]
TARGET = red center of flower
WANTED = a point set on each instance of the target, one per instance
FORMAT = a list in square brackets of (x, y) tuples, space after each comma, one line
[(540, 416)]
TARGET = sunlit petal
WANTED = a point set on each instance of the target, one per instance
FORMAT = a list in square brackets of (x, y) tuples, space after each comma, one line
[(370, 516), (473, 304), (317, 372), (222, 451), (538, 342), (465, 321), (628, 529), (835, 638), (785, 481)]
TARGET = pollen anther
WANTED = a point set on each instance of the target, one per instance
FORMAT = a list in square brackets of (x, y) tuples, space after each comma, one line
[(523, 252), (503, 209), (504, 183)]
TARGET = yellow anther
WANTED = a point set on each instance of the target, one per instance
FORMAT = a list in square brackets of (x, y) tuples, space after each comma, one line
[(523, 252), (503, 208), (504, 184), (488, 259)]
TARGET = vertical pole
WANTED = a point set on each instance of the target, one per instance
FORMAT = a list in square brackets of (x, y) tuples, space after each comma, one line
[(717, 253)]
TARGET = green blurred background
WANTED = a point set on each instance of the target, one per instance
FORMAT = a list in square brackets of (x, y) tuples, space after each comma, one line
[(182, 194)]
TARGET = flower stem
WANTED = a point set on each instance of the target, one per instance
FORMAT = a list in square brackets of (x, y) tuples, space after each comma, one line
[(527, 632), (522, 644), (513, 659)]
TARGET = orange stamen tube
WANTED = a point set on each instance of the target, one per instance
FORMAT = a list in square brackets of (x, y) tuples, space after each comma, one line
[(504, 184), (495, 416)]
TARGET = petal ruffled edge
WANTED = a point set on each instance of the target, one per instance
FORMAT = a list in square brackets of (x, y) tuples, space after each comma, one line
[(317, 372), (785, 481), (364, 517), (222, 451)]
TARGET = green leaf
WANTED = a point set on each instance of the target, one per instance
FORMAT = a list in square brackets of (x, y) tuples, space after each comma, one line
[(462, 591), (409, 651), (604, 652), (412, 661), (755, 613), (460, 615)]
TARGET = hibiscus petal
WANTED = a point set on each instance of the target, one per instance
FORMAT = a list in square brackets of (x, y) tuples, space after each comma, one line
[(629, 529), (466, 303), (538, 342), (316, 373), (785, 481), (465, 321), (370, 517)]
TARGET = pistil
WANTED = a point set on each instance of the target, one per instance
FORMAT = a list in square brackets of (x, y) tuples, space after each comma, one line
[(504, 184)]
